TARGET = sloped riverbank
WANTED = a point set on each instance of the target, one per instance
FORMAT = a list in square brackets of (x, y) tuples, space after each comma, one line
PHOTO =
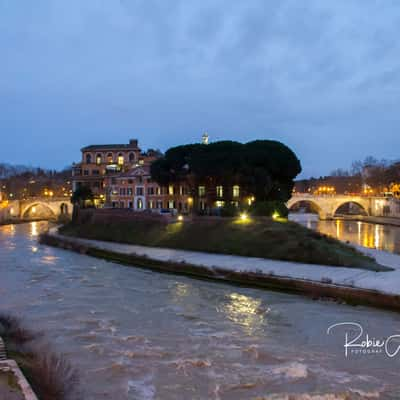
[(354, 286)]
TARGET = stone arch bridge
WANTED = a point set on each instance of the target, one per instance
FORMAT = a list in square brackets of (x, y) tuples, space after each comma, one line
[(327, 205), (38, 207)]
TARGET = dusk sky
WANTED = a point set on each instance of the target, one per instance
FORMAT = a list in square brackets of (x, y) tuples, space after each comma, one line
[(321, 76)]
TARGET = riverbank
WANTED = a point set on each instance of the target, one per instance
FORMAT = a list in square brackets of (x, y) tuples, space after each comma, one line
[(373, 220), (28, 366), (252, 237), (354, 286)]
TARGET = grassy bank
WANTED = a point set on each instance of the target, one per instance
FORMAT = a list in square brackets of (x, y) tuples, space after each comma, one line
[(265, 238)]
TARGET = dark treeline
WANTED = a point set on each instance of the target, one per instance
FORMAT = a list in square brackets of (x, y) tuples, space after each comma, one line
[(370, 176), (19, 182)]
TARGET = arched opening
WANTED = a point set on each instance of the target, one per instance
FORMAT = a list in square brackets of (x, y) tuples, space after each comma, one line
[(38, 211), (305, 212), (139, 204), (88, 158), (64, 209), (304, 207), (109, 158), (131, 157), (350, 208), (98, 159)]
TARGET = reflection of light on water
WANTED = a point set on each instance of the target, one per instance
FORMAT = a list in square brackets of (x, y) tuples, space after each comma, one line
[(338, 228), (377, 236), (363, 233), (50, 260), (245, 311), (181, 290), (8, 230), (34, 229)]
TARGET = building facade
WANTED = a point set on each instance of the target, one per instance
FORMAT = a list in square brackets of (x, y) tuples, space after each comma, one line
[(119, 177), (101, 162), (136, 190)]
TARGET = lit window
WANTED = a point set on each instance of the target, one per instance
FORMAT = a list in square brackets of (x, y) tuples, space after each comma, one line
[(98, 159), (220, 191), (236, 191), (109, 158), (202, 191), (139, 204), (219, 203), (120, 159), (171, 189), (171, 204)]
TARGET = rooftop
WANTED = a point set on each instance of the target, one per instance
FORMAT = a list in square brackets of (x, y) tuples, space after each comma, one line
[(133, 144)]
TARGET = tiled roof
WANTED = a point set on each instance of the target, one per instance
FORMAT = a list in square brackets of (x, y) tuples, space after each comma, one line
[(108, 147)]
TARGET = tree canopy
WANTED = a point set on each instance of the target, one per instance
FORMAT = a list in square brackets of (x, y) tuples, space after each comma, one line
[(265, 168), (81, 195)]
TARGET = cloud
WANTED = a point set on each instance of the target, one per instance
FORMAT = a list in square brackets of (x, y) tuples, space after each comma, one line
[(320, 76)]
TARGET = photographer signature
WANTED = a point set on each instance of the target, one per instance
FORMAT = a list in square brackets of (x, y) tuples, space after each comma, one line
[(357, 342)]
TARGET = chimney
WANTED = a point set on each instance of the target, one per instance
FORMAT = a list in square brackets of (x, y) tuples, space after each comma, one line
[(133, 142)]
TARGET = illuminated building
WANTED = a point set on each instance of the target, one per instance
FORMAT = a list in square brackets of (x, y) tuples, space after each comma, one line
[(100, 162)]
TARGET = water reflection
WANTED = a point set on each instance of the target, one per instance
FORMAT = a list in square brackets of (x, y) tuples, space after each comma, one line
[(245, 311), (34, 229), (7, 230), (374, 236)]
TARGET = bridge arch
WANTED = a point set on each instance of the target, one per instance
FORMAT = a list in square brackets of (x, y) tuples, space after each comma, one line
[(359, 204), (38, 210), (313, 205)]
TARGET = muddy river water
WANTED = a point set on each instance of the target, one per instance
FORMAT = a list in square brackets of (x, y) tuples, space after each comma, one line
[(136, 334)]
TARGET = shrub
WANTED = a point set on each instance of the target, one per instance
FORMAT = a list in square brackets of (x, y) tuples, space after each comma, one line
[(11, 330), (229, 210), (50, 375), (269, 208)]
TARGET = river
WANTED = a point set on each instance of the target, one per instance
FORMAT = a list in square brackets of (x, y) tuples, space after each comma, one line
[(381, 237), (136, 334)]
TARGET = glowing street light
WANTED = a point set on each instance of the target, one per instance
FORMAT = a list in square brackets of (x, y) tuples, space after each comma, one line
[(244, 216), (180, 218)]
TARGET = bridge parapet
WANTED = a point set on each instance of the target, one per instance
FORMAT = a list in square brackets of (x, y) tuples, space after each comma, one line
[(36, 207), (327, 205)]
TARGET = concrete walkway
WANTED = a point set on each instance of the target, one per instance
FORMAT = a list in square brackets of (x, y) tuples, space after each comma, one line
[(13, 385), (383, 282)]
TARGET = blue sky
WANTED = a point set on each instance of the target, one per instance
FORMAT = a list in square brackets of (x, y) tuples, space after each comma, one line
[(321, 76)]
